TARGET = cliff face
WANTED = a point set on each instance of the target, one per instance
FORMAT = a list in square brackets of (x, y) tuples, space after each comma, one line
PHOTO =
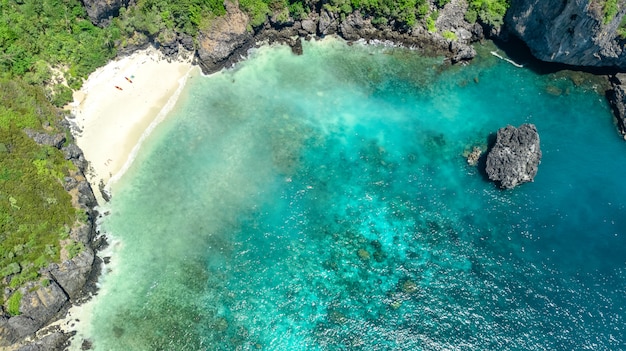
[(568, 31), (101, 11), (223, 38)]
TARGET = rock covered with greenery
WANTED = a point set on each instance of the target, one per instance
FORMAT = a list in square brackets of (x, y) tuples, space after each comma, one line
[(574, 32)]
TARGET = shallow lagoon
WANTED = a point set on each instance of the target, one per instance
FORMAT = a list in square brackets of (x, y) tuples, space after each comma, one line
[(321, 202)]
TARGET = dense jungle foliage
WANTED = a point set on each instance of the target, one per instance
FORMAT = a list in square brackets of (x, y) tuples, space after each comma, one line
[(47, 48)]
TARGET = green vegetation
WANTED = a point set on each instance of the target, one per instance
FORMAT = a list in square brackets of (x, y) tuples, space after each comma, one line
[(609, 11), (405, 12), (74, 248), (14, 303), (36, 35), (488, 11), (35, 209), (430, 24), (164, 17), (449, 35), (621, 30), (258, 10)]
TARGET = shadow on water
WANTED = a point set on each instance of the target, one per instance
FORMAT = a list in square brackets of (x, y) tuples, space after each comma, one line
[(482, 160), (519, 52)]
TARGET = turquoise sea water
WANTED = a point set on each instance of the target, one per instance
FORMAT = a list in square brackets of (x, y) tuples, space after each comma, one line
[(322, 202)]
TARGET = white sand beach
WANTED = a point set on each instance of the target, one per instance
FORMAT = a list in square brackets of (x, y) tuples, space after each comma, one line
[(119, 104)]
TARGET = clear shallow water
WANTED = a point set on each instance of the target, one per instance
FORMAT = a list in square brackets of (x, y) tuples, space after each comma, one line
[(321, 202)]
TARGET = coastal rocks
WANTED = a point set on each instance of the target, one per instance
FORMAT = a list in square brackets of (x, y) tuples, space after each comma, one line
[(38, 305), (186, 41), (309, 26), (355, 27), (54, 341), (515, 156), (101, 11), (224, 38), (72, 274), (573, 32), (73, 153), (461, 52), (168, 43), (617, 99), (327, 23)]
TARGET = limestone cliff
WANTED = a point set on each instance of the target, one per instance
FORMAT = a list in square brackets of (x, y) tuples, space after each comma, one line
[(222, 39), (569, 31)]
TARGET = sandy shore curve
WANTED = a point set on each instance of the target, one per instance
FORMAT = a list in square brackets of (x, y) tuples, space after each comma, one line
[(119, 104)]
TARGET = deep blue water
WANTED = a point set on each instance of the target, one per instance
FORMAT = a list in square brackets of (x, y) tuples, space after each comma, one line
[(322, 202)]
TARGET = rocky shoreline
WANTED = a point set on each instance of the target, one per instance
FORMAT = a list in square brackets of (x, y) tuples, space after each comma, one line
[(228, 38), (225, 42), (69, 282)]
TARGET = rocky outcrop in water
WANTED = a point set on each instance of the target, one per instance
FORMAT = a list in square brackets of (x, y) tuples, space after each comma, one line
[(572, 32), (515, 156), (101, 11)]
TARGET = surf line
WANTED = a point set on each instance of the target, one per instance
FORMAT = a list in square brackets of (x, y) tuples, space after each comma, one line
[(507, 60)]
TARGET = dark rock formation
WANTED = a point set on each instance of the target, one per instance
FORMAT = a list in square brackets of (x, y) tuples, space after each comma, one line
[(223, 39), (572, 32), (101, 11), (327, 23), (354, 27), (515, 156), (38, 305), (73, 153), (72, 274), (55, 140), (617, 99), (186, 41), (54, 341), (168, 44), (309, 26)]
